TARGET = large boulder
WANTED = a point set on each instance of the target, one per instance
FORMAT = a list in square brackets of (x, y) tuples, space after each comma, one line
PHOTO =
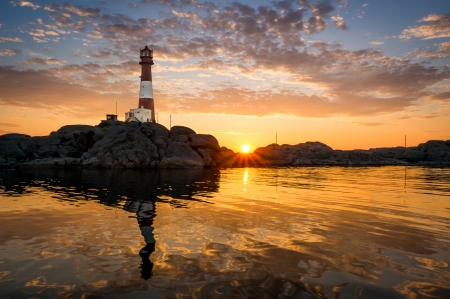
[(150, 129), (180, 133), (114, 136), (16, 146), (204, 141), (52, 139), (80, 128), (135, 154), (411, 155), (313, 146), (180, 155), (434, 146)]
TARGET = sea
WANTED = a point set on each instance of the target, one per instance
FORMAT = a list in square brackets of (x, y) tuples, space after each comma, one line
[(305, 232)]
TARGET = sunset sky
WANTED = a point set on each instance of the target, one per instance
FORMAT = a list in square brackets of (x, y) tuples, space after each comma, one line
[(348, 73)]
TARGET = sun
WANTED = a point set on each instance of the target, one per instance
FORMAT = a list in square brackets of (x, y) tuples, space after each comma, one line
[(245, 148)]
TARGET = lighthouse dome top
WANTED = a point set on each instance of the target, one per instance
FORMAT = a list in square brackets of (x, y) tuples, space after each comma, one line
[(147, 52)]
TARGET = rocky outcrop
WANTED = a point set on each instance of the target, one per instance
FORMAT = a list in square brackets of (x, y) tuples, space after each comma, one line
[(431, 153), (112, 144)]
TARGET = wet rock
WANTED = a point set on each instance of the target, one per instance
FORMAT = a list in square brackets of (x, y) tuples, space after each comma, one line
[(301, 162), (53, 162)]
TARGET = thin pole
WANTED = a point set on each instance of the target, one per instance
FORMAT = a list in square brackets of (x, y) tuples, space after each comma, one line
[(171, 121), (116, 108)]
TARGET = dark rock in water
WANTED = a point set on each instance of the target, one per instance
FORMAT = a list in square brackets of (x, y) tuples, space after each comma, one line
[(431, 153), (53, 162)]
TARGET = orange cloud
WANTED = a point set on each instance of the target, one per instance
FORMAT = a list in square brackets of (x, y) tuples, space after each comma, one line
[(438, 26)]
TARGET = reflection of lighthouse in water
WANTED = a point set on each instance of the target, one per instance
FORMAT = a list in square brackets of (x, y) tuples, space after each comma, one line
[(145, 111), (145, 212)]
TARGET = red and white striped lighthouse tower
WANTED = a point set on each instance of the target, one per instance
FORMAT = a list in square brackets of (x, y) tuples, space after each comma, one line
[(146, 91)]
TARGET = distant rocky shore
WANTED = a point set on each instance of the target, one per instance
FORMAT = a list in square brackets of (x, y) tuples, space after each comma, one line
[(115, 144)]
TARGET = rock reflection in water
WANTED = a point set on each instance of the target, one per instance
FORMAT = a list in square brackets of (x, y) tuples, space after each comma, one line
[(266, 233)]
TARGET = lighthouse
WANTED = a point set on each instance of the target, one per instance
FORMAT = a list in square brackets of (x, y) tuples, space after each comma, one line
[(146, 107)]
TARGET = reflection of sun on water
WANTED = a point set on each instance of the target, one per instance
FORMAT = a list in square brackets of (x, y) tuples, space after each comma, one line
[(245, 179), (245, 148)]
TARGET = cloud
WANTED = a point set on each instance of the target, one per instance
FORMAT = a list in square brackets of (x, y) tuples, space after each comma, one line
[(24, 3), (376, 43), (48, 61), (438, 26), (9, 125), (339, 21), (365, 5), (369, 124), (9, 52), (442, 51), (10, 39), (235, 43), (54, 92)]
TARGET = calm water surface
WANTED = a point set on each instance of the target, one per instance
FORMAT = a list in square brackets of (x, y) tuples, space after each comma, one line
[(379, 232)]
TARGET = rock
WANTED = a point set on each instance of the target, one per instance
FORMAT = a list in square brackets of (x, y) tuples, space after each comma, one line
[(180, 138), (203, 141), (180, 155), (313, 146), (114, 136), (301, 162), (434, 146), (206, 156), (135, 154), (85, 140), (154, 129), (16, 146), (159, 141), (180, 130), (323, 153), (92, 162), (411, 155), (54, 138), (180, 133), (387, 152), (53, 162), (80, 128), (225, 153)]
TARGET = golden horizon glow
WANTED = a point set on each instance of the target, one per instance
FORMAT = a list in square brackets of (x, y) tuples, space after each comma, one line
[(245, 148)]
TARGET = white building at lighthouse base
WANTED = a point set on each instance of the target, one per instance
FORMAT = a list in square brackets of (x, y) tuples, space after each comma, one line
[(139, 114)]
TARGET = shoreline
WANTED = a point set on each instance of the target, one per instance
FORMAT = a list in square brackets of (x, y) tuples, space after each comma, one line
[(115, 144)]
